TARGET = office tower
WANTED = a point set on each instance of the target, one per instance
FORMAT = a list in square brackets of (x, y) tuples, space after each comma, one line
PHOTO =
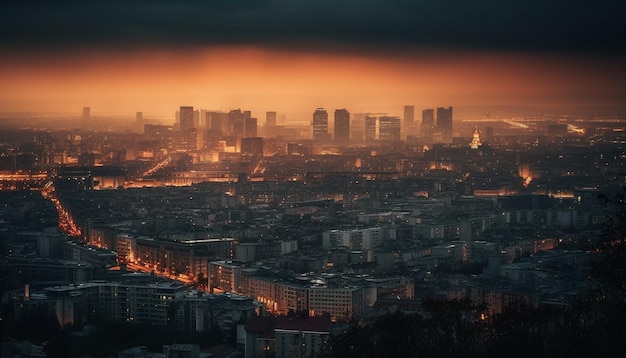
[(216, 121), (444, 123), (139, 121), (342, 125), (428, 125), (194, 139), (202, 119), (235, 122), (409, 120), (250, 127), (186, 118), (320, 124), (196, 119), (389, 128), (211, 121), (86, 113), (371, 124), (252, 146), (357, 126), (270, 119)]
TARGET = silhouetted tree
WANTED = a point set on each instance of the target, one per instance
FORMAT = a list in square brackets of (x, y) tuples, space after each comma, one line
[(399, 334), (357, 341), (457, 330), (610, 269)]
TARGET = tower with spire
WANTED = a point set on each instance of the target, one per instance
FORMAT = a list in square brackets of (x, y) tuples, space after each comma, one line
[(475, 143)]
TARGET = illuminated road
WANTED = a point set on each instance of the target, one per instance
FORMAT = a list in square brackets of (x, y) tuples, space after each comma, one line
[(160, 165), (68, 226), (141, 268), (574, 129), (66, 222), (516, 124)]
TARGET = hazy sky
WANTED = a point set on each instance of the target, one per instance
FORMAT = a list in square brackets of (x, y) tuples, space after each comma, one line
[(296, 55)]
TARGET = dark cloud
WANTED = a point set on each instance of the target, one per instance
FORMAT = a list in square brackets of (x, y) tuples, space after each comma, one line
[(530, 25)]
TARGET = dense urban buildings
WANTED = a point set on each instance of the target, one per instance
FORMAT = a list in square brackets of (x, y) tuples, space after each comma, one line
[(186, 114), (279, 241), (428, 126), (443, 132), (270, 119), (371, 129), (342, 125), (86, 113), (389, 129), (312, 180), (409, 120), (320, 124)]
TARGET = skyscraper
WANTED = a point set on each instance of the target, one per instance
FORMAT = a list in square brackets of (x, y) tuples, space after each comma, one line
[(357, 127), (270, 119), (444, 123), (139, 121), (409, 120), (186, 118), (194, 138), (342, 125), (389, 128), (86, 113), (235, 122), (320, 124), (196, 119), (428, 126), (371, 124), (250, 127), (213, 120)]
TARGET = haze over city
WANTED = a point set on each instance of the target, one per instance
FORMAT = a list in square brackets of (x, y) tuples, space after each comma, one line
[(282, 178), (293, 56)]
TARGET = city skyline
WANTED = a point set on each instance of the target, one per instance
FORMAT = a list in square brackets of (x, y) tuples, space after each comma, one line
[(346, 178), (298, 56)]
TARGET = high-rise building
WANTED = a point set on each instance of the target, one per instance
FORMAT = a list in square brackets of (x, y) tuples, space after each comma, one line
[(252, 146), (216, 121), (444, 123), (357, 127), (235, 122), (270, 119), (249, 127), (186, 118), (409, 120), (320, 124), (86, 113), (389, 128), (342, 125), (428, 125), (196, 119), (194, 139), (139, 121), (371, 126)]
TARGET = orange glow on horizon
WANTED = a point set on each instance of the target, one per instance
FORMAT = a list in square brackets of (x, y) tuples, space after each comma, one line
[(262, 80)]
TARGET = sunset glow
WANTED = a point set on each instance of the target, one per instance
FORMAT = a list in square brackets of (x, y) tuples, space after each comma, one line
[(157, 81)]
